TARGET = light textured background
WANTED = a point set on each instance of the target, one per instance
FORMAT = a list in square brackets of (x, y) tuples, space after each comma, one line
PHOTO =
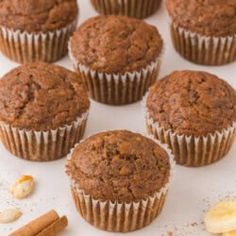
[(191, 192)]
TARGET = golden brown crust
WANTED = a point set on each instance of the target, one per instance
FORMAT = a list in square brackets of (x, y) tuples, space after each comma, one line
[(192, 103), (119, 166), (206, 17), (37, 15), (41, 96), (116, 44)]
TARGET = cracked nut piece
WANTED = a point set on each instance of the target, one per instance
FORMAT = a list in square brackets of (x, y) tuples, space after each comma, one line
[(23, 187), (10, 215)]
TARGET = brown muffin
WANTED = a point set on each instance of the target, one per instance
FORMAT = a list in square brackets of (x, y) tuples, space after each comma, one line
[(119, 168), (40, 98), (37, 16), (192, 103), (211, 17), (132, 8), (41, 28), (116, 46), (206, 29), (197, 105)]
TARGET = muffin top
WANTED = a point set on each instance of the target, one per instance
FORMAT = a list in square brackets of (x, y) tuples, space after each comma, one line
[(119, 166), (116, 44), (37, 15), (207, 17), (192, 103), (41, 96)]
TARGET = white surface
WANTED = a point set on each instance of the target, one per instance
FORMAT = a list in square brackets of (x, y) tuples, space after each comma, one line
[(190, 194)]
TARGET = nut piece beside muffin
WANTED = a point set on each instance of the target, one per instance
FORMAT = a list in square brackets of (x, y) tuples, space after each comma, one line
[(118, 57), (132, 8), (195, 114), (36, 30), (43, 111), (119, 179), (204, 32)]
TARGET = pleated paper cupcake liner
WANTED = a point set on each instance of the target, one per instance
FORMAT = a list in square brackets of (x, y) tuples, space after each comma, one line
[(133, 8), (117, 89), (121, 216), (24, 47), (206, 50), (43, 145), (193, 151)]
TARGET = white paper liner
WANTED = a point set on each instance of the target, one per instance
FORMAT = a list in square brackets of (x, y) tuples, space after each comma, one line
[(190, 150), (43, 145), (121, 216), (133, 8), (117, 89), (29, 47), (207, 50)]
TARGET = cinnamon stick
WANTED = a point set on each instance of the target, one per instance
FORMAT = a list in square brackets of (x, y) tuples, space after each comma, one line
[(36, 226), (55, 227)]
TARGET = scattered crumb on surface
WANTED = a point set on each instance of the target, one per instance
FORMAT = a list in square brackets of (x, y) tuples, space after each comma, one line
[(194, 224)]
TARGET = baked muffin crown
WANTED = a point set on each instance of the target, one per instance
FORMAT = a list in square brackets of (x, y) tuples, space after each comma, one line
[(119, 166), (192, 103), (41, 96), (206, 17), (37, 15), (116, 44)]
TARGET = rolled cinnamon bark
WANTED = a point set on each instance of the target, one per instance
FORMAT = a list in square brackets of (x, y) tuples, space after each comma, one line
[(38, 225), (55, 227)]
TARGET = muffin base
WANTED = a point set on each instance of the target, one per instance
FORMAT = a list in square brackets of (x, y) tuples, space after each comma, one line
[(117, 89), (132, 8), (24, 47), (205, 50), (42, 145), (121, 216), (118, 217), (194, 151)]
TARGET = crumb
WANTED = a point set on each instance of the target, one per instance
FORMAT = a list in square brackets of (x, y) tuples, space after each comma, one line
[(194, 224)]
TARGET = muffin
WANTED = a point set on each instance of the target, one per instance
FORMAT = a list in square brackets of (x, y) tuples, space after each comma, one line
[(43, 111), (195, 114), (118, 57), (36, 30), (204, 32), (133, 8), (119, 179)]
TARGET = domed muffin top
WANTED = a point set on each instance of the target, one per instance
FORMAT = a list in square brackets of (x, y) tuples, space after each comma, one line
[(192, 103), (207, 17), (116, 44), (119, 166), (37, 15), (41, 96)]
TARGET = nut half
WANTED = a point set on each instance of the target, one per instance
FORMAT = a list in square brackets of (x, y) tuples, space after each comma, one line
[(23, 187), (10, 215)]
